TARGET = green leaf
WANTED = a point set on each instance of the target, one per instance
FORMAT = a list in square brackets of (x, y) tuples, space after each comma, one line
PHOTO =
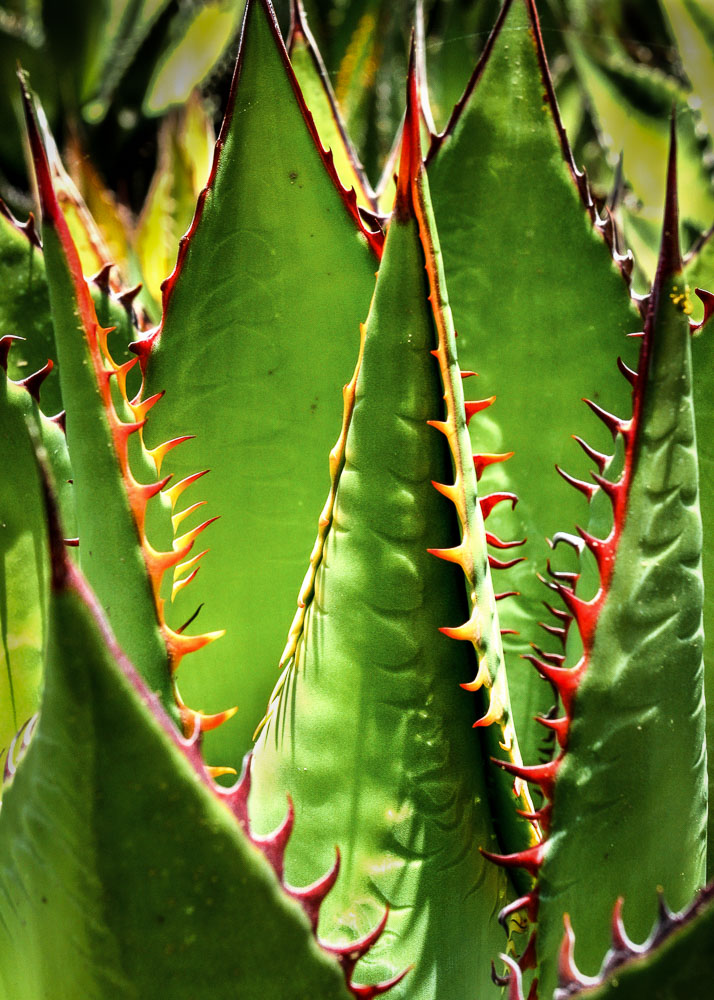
[(260, 331), (633, 761), (111, 832), (409, 792), (541, 311), (23, 567), (110, 503), (692, 24)]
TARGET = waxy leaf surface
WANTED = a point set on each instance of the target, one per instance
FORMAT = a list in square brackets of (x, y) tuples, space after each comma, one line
[(260, 332)]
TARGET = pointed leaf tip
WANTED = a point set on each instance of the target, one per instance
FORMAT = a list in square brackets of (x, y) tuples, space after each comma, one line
[(670, 255), (410, 162)]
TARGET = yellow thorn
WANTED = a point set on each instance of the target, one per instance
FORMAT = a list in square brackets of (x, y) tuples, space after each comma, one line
[(470, 630), (482, 678), (494, 713), (176, 519)]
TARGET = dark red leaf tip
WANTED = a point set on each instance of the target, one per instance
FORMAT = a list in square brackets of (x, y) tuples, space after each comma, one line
[(410, 161)]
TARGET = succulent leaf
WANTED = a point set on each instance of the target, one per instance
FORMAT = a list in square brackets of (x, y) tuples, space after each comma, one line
[(502, 176), (634, 702), (124, 845), (260, 329), (396, 614)]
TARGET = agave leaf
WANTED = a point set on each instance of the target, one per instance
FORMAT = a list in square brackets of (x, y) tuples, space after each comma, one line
[(542, 322), (110, 503), (112, 831), (260, 329), (199, 37), (186, 143), (633, 730), (320, 99), (410, 796), (23, 567)]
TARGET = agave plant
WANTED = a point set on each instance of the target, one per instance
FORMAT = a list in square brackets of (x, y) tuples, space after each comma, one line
[(391, 818)]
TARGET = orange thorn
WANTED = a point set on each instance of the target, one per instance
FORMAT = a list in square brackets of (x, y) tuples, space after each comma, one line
[(177, 489)]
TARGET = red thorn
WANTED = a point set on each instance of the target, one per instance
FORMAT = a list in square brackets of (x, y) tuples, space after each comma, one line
[(273, 844), (514, 981), (476, 406), (529, 958), (61, 420), (503, 594), (311, 897), (596, 456), (48, 200), (367, 992), (482, 462), (620, 940), (509, 631), (707, 300), (559, 727), (587, 489), (71, 543), (142, 348), (568, 972), (529, 903), (557, 659), (236, 797), (566, 680), (487, 503), (614, 424), (101, 278), (543, 775), (33, 383), (348, 955), (6, 343), (574, 541), (499, 544), (126, 298), (563, 616), (585, 613), (467, 374), (495, 563), (530, 859), (629, 374), (28, 228)]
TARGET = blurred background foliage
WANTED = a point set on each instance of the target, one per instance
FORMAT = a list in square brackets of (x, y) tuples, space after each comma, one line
[(133, 91)]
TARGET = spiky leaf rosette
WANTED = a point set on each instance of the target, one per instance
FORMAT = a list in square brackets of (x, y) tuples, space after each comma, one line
[(629, 791), (123, 873), (258, 335), (397, 611), (540, 306)]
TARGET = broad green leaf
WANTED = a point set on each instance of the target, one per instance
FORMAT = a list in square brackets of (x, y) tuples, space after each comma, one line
[(199, 37), (634, 762), (541, 311), (186, 143), (409, 792), (23, 567), (121, 873), (320, 99), (260, 332)]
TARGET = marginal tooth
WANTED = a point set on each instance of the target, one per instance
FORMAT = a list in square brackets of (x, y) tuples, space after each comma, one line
[(177, 518), (543, 775), (587, 489), (445, 426), (205, 723), (182, 567), (311, 897), (450, 492), (529, 903), (141, 409), (629, 374), (459, 554), (597, 457), (190, 536), (530, 859), (613, 423), (219, 772), (472, 407), (482, 678), (178, 585), (273, 844), (180, 645), (707, 299), (159, 452), (482, 461), (566, 538), (175, 491), (487, 503), (470, 630), (33, 383), (101, 278), (495, 712), (495, 563)]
